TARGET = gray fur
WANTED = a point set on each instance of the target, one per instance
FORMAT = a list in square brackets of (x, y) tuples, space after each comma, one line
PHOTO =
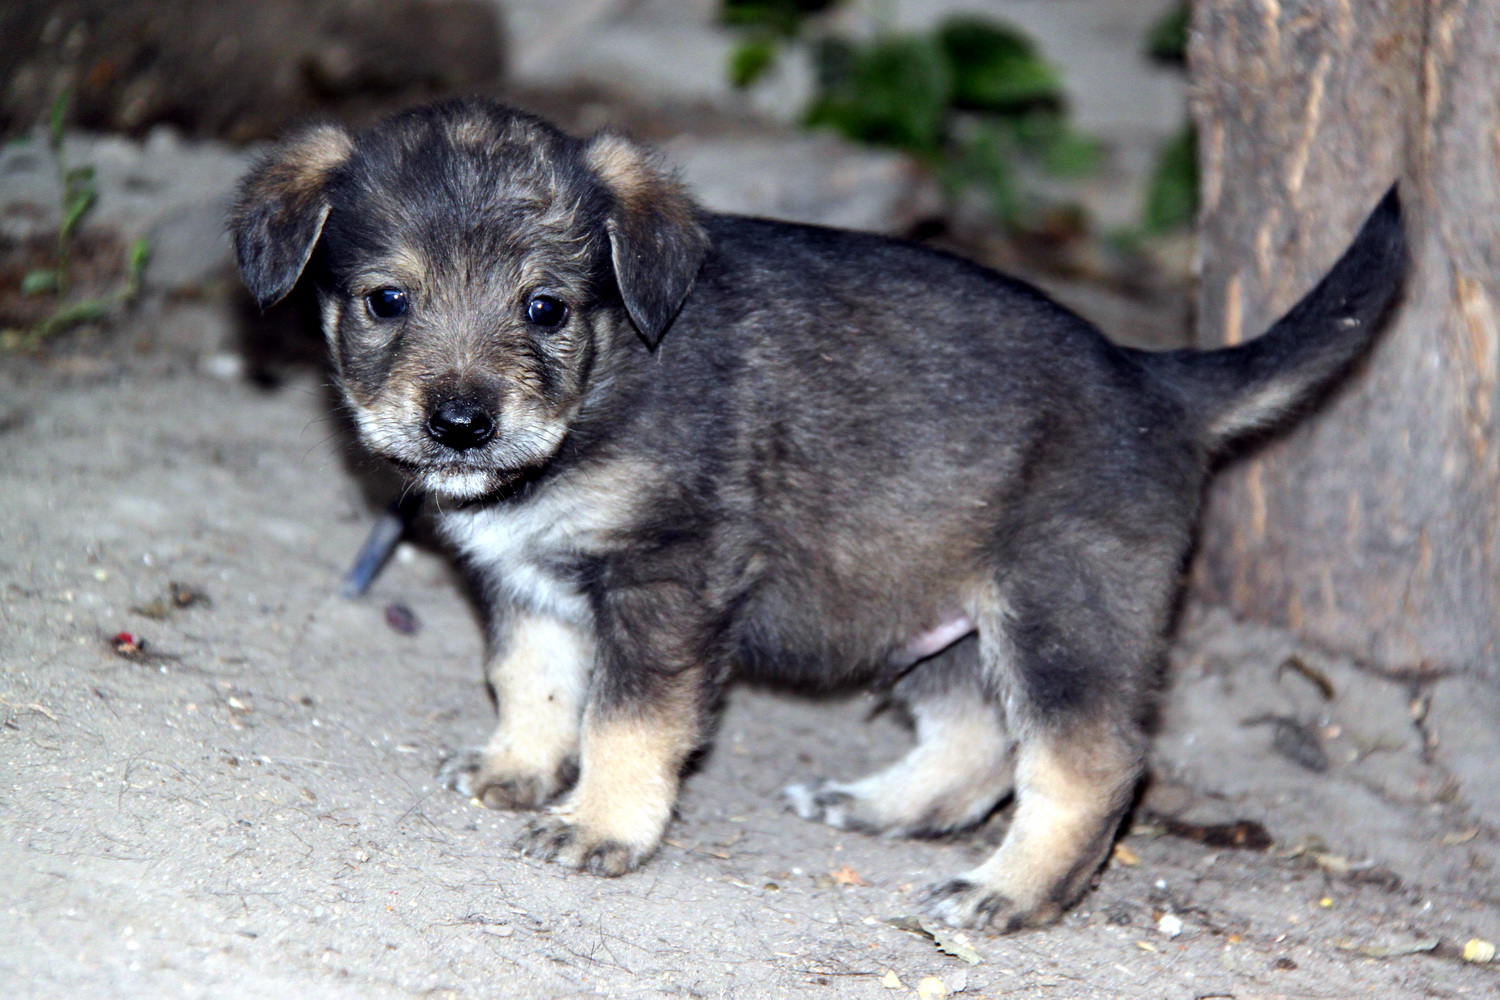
[(813, 456)]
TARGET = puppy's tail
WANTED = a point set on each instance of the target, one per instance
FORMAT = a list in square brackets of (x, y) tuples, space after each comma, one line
[(1253, 386)]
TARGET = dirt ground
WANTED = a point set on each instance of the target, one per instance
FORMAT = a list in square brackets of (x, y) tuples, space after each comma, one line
[(240, 799), (247, 806)]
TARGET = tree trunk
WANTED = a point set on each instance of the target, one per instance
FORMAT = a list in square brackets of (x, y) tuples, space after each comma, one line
[(1371, 528)]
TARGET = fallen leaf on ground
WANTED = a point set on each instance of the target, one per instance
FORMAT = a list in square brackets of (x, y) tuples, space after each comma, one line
[(1333, 864), (1389, 950), (1244, 834), (847, 876), (948, 941), (890, 980)]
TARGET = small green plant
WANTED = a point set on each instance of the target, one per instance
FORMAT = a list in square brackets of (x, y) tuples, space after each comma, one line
[(1171, 202), (765, 26), (1167, 39), (1172, 192), (973, 100), (77, 193)]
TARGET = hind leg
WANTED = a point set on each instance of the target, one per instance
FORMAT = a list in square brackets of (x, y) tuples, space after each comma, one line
[(1073, 681), (951, 779), (1072, 785)]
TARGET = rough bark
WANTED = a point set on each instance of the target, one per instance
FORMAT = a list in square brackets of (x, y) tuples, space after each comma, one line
[(1372, 526)]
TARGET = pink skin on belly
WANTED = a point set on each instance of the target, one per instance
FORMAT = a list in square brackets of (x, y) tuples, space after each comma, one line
[(934, 640)]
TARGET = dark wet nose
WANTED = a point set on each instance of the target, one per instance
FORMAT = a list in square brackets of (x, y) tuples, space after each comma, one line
[(461, 424)]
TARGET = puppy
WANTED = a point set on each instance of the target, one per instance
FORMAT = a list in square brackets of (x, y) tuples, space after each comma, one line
[(673, 446)]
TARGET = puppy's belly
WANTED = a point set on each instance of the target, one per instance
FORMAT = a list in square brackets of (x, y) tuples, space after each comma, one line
[(932, 641), (870, 649)]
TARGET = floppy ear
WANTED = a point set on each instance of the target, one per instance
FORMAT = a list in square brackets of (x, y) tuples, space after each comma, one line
[(281, 208), (655, 239)]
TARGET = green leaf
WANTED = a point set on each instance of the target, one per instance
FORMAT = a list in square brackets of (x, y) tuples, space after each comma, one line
[(751, 59), (77, 206), (890, 92), (1072, 155), (784, 17), (79, 177), (57, 123), (1043, 133), (68, 316), (137, 257), (39, 281), (80, 312), (1167, 39), (985, 160), (1172, 194), (996, 68)]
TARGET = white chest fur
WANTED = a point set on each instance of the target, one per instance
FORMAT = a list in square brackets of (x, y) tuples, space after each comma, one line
[(522, 548)]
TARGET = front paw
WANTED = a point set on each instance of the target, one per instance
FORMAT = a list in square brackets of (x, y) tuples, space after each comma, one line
[(499, 782), (965, 902), (568, 842)]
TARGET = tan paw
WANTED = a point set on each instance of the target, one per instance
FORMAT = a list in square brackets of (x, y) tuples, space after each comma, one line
[(500, 782), (563, 840), (963, 902)]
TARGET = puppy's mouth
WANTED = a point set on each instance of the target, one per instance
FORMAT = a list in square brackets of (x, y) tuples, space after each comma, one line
[(462, 481), (491, 468)]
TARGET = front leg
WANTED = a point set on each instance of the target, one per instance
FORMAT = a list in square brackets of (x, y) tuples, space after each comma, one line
[(540, 674), (614, 818), (645, 716)]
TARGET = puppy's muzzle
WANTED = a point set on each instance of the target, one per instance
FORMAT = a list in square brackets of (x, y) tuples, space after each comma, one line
[(460, 424)]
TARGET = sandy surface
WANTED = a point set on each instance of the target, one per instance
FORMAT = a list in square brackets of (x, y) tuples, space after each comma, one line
[(249, 808)]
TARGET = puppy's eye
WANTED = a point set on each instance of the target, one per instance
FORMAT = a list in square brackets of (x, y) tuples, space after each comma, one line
[(386, 303), (544, 310)]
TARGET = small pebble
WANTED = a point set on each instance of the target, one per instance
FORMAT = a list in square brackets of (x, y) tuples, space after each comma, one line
[(931, 988), (402, 619), (224, 366)]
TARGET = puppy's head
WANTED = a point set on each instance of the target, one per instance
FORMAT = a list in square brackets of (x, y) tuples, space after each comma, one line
[(479, 274)]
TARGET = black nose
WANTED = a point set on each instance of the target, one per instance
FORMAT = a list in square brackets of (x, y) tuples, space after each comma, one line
[(460, 424)]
